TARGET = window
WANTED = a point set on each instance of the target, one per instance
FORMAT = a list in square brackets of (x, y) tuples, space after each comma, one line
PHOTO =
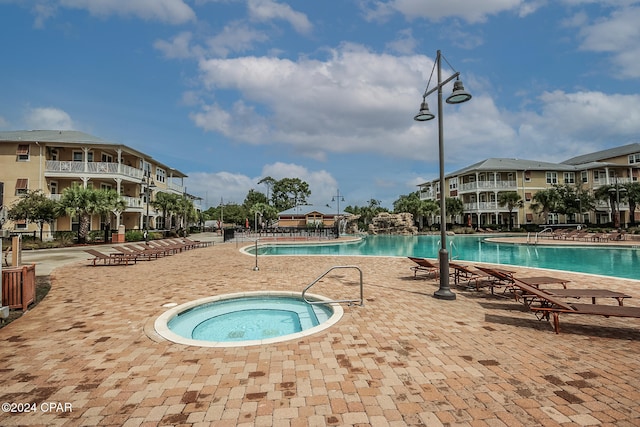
[(569, 178), (107, 158), (599, 175), (160, 175), (529, 217), (54, 154), (22, 186), (584, 176), (53, 187), (552, 177), (21, 224), (527, 197), (453, 183), (553, 218), (106, 187), (527, 176), (146, 167), (634, 158), (23, 152), (78, 157)]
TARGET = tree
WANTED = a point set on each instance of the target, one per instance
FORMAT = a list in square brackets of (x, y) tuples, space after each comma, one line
[(289, 192), (454, 207), (408, 203), (512, 200), (264, 210), (34, 207), (429, 208), (85, 202), (633, 197), (545, 201), (269, 182), (252, 198), (168, 204)]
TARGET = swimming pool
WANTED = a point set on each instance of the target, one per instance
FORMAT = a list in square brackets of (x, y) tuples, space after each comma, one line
[(244, 319), (602, 260)]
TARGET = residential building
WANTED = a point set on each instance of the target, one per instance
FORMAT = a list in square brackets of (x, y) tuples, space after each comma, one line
[(479, 186), (52, 160)]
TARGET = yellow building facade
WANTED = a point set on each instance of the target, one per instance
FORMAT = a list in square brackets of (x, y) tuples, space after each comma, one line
[(51, 160), (478, 186)]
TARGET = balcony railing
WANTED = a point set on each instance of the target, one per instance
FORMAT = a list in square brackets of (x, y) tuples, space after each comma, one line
[(130, 202), (488, 185), (481, 206), (62, 167)]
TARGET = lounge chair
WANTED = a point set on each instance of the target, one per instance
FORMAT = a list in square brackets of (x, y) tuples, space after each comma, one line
[(109, 259), (465, 276), (197, 243), (499, 278), (149, 250), (132, 251), (424, 265), (552, 306)]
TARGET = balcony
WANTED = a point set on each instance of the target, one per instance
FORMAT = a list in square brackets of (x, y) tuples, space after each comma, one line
[(482, 207), (488, 185), (67, 168), (130, 202)]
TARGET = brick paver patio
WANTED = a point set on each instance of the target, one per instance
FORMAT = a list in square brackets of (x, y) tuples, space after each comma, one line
[(404, 358)]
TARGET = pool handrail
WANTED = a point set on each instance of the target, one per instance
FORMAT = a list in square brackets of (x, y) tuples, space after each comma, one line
[(350, 301)]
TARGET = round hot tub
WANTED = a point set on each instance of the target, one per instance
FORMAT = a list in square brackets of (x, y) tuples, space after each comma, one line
[(248, 318)]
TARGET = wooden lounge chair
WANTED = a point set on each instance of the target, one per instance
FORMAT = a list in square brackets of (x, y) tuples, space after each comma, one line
[(499, 278), (108, 259), (149, 250), (197, 243), (424, 265), (552, 306), (465, 276), (131, 251)]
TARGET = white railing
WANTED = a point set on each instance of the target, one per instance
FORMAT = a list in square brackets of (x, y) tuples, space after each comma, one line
[(481, 206), (63, 166), (488, 185)]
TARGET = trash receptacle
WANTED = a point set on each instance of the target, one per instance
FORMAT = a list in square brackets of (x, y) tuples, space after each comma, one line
[(228, 234)]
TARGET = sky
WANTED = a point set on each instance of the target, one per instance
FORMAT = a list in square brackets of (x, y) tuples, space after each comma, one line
[(232, 91)]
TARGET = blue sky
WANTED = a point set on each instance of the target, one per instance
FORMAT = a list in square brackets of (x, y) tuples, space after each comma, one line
[(231, 91)]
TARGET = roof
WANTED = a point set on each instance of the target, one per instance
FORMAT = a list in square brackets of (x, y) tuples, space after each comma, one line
[(501, 164), (605, 154), (74, 137), (307, 209)]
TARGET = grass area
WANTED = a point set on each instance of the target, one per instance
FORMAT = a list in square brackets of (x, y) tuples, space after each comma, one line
[(43, 285)]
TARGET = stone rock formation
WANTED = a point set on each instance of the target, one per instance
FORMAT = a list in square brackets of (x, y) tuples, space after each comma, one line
[(387, 223)]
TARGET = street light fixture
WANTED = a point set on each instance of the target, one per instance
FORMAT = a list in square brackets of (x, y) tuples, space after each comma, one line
[(149, 184), (337, 198), (458, 96)]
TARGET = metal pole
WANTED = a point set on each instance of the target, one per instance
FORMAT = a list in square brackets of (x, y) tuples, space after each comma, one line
[(444, 292), (146, 226), (256, 249)]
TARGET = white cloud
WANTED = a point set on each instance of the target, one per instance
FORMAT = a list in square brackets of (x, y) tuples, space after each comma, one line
[(617, 34), (233, 187), (48, 118), (169, 11), (268, 10), (435, 10), (179, 47)]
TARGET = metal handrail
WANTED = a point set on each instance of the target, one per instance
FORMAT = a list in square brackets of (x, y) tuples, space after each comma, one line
[(540, 232), (350, 301)]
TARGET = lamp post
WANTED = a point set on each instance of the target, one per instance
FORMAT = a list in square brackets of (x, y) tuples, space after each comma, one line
[(255, 219), (581, 218), (616, 211), (149, 184), (337, 198), (458, 96)]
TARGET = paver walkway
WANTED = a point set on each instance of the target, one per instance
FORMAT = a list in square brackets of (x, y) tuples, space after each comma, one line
[(404, 358)]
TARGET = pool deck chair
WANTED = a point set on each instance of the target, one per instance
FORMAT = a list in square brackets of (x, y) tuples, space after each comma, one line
[(464, 276), (551, 307), (425, 266), (109, 259), (499, 278)]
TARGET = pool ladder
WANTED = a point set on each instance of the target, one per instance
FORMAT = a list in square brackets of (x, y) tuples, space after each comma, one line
[(350, 301)]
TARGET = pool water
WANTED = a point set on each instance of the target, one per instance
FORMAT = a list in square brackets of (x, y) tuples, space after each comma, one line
[(248, 318), (594, 259)]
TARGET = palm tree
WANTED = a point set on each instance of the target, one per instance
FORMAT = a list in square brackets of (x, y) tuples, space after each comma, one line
[(545, 201), (512, 200), (633, 197), (85, 202), (167, 203)]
